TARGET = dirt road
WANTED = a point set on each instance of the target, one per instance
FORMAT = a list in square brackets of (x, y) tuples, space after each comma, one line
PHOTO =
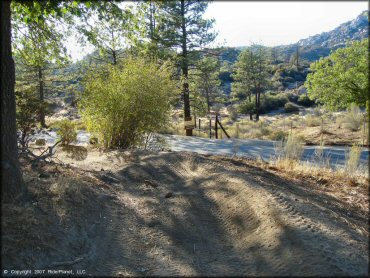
[(185, 214)]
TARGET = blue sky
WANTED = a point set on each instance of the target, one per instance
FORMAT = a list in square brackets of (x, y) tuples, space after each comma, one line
[(240, 23)]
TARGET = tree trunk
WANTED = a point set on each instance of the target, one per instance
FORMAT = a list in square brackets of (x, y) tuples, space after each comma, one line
[(11, 175), (258, 103), (208, 104), (185, 70), (114, 54), (42, 98), (250, 114)]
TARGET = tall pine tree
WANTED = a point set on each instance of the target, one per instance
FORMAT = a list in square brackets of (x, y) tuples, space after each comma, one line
[(183, 28)]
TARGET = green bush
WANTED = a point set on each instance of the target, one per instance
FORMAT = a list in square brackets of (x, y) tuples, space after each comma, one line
[(305, 101), (247, 107), (123, 104), (290, 107), (67, 132), (271, 102)]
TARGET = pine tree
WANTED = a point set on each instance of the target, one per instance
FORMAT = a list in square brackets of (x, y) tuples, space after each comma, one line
[(184, 28), (204, 79), (38, 48), (110, 29), (251, 76)]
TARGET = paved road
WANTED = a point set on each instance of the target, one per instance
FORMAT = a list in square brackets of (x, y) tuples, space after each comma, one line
[(247, 148), (254, 148)]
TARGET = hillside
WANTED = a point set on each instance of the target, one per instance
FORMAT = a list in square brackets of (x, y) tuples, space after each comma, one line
[(310, 49), (320, 45)]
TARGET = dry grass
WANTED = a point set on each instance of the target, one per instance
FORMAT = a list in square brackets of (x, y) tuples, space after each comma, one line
[(353, 118), (312, 120), (353, 160)]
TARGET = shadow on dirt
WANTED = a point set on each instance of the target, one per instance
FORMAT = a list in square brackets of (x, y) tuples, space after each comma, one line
[(222, 218), (188, 234)]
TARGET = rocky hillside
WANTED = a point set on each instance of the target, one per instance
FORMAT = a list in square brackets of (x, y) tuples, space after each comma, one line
[(356, 29), (320, 45)]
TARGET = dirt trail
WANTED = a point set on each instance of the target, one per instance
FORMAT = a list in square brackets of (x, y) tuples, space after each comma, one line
[(224, 218)]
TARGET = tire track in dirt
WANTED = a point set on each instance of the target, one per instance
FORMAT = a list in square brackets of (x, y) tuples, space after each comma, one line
[(223, 219)]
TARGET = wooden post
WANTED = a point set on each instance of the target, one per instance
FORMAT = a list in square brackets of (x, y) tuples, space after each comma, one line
[(199, 127), (195, 121), (216, 130), (223, 129), (210, 128)]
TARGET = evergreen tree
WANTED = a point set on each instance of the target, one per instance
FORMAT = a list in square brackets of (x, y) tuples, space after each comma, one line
[(38, 48), (205, 82), (251, 76), (184, 28), (110, 29)]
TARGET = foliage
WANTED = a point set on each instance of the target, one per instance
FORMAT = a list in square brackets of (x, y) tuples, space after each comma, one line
[(305, 101), (353, 118), (204, 81), (271, 102), (251, 75), (341, 78), (110, 29), (124, 103), (175, 14), (67, 132), (28, 106), (246, 107), (290, 107)]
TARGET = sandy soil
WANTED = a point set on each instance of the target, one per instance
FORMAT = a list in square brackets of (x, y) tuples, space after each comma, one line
[(181, 214)]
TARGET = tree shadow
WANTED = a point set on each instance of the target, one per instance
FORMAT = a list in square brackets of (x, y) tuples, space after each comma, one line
[(193, 233)]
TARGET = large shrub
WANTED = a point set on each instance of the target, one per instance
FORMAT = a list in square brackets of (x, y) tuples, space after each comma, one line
[(247, 107), (271, 102), (290, 107), (67, 132), (124, 102)]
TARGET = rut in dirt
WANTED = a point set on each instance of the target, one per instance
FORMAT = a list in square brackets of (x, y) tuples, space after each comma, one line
[(222, 219)]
